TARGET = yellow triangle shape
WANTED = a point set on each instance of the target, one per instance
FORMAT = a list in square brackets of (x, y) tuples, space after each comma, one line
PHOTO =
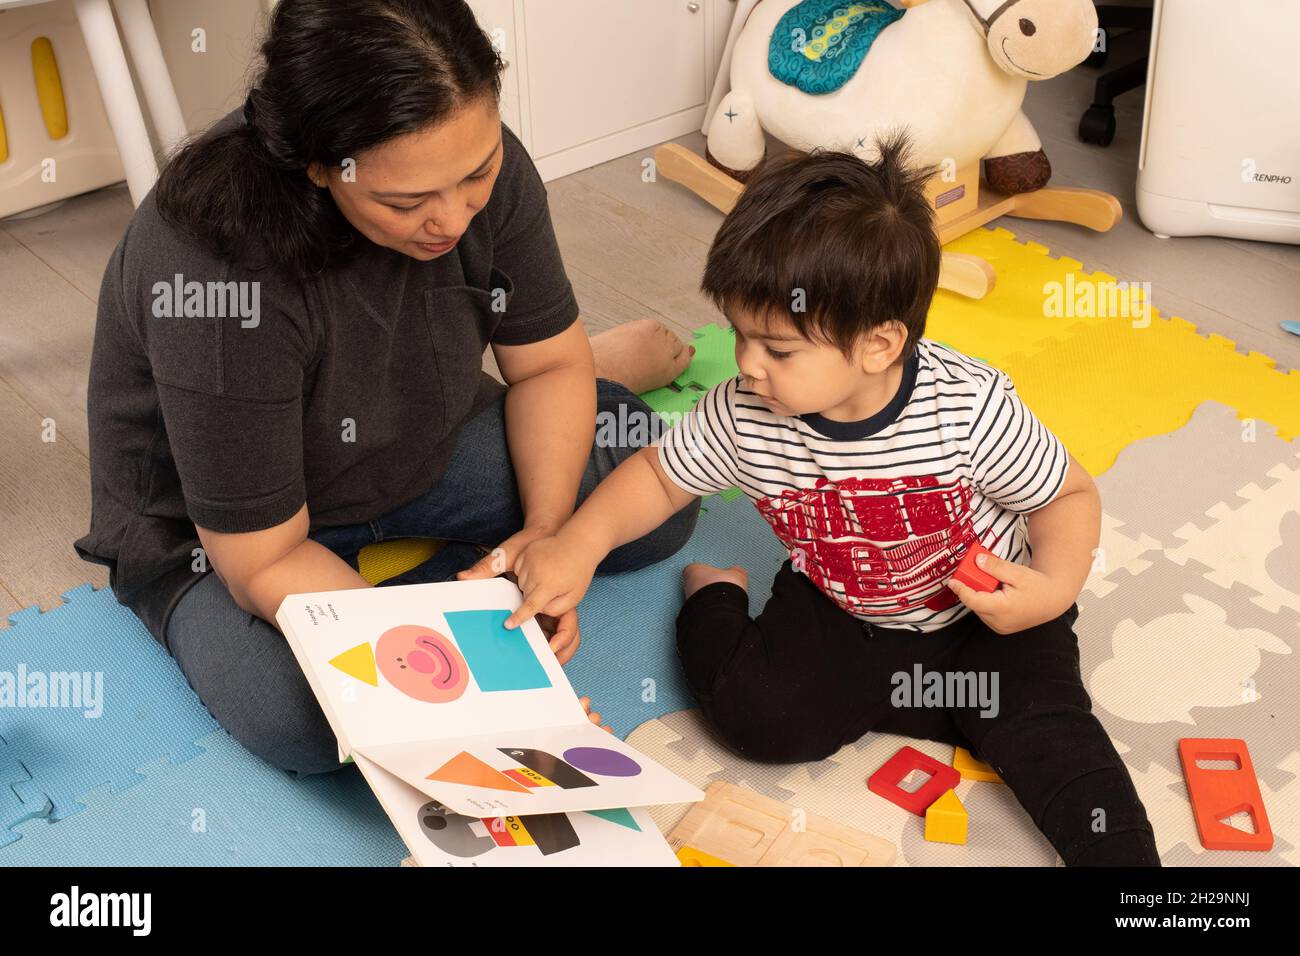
[(359, 663), (948, 803)]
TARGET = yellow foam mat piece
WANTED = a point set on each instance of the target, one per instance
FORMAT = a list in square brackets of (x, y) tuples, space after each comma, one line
[(1009, 320), (1107, 387), (387, 559), (1101, 383)]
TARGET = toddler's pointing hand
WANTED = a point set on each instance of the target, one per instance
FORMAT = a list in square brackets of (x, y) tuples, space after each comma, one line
[(554, 575)]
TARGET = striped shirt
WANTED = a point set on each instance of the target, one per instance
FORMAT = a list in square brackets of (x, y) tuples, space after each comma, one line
[(878, 513)]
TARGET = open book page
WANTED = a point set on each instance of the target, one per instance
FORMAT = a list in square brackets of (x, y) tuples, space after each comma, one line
[(426, 682), (436, 836), (425, 662), (543, 770)]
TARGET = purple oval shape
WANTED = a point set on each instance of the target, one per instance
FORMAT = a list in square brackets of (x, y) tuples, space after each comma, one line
[(605, 763)]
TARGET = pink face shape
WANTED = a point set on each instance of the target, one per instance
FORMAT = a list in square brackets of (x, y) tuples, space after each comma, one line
[(421, 663)]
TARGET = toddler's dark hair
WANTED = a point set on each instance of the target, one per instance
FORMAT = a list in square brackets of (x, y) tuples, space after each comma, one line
[(857, 238)]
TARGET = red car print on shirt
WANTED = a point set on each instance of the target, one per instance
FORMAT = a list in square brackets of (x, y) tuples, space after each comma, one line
[(877, 546)]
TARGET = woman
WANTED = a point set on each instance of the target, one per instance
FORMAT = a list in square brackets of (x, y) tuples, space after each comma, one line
[(287, 359)]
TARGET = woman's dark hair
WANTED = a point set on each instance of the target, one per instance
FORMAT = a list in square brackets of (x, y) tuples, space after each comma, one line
[(834, 243), (339, 77)]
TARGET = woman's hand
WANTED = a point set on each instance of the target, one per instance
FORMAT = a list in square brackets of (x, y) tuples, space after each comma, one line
[(1026, 598), (502, 558), (561, 629), (561, 634), (554, 573), (594, 718)]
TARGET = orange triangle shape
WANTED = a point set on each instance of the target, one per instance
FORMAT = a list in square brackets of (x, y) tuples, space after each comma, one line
[(472, 772), (359, 662)]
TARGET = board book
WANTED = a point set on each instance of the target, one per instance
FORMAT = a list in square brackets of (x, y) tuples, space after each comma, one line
[(449, 714), (436, 836)]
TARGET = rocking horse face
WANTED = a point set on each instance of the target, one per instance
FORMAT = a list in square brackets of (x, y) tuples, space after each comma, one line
[(1036, 39)]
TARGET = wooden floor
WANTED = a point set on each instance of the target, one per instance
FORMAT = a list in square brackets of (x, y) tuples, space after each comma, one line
[(633, 249)]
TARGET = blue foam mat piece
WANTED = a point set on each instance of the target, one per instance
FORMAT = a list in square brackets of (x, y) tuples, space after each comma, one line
[(147, 709), (223, 807), (131, 786), (628, 620), (20, 799)]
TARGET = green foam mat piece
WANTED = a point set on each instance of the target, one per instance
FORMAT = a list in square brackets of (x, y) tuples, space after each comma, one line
[(670, 402), (714, 362)]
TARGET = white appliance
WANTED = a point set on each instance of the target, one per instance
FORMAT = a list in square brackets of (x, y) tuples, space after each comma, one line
[(1220, 149)]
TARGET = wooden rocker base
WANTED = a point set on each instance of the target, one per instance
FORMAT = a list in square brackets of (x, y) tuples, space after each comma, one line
[(961, 273)]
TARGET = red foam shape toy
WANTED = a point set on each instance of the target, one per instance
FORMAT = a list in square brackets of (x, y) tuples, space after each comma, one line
[(1219, 794), (970, 574), (884, 782)]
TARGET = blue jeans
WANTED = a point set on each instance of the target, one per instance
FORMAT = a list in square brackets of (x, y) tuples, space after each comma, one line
[(241, 666)]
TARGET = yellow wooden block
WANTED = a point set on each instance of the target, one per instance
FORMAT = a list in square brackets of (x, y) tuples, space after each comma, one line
[(964, 762), (945, 821), (693, 857)]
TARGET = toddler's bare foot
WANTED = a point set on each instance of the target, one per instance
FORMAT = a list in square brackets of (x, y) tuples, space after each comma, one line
[(641, 355), (696, 576)]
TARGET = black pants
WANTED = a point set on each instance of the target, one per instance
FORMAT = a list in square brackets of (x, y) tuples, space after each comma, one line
[(805, 678)]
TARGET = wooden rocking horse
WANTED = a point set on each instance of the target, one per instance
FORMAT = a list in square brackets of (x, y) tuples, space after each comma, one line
[(838, 74)]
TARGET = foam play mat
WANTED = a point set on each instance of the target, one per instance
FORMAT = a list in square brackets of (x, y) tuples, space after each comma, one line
[(1189, 625), (131, 769)]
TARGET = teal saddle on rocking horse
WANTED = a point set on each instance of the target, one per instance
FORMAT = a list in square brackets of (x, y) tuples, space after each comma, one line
[(819, 44)]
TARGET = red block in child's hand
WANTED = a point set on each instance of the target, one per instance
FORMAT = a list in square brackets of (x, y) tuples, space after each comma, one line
[(969, 573)]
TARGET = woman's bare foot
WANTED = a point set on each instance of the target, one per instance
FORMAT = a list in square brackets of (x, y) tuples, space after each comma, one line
[(696, 576), (641, 355)]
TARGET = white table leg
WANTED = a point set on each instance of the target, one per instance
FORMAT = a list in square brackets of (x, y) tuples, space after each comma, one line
[(147, 55), (123, 109)]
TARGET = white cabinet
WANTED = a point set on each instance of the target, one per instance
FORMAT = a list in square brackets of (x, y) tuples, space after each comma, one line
[(586, 81), (589, 80), (597, 67)]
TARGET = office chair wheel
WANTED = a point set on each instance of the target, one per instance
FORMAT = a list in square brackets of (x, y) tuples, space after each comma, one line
[(1098, 125)]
